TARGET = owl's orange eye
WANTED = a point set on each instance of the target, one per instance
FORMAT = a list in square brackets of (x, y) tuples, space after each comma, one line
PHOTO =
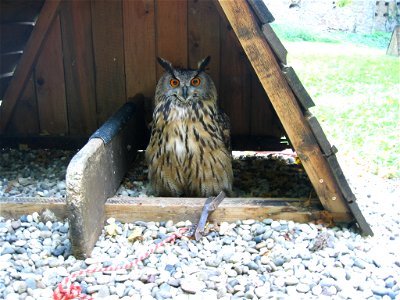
[(195, 81), (174, 82)]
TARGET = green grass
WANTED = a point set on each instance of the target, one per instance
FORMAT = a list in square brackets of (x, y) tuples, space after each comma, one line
[(293, 34), (356, 89)]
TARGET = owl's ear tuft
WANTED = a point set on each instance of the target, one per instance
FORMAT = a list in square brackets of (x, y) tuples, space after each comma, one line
[(201, 66), (166, 65)]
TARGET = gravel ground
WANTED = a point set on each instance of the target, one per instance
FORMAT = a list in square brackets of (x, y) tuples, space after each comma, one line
[(41, 173), (243, 260)]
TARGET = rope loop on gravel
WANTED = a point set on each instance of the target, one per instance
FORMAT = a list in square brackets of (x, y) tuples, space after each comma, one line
[(65, 290)]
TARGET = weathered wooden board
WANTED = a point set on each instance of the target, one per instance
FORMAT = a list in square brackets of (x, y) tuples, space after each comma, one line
[(128, 209), (50, 84), (338, 173), (24, 120), (275, 44), (139, 46), (235, 84), (13, 208), (108, 46), (298, 88), (24, 69), (76, 27), (261, 11), (282, 98), (319, 134), (95, 173), (203, 37), (171, 33), (263, 120), (19, 11)]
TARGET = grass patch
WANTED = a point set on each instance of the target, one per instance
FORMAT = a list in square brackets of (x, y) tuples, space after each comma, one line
[(292, 34), (356, 90)]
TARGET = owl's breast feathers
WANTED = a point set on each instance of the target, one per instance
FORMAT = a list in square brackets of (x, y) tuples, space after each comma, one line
[(189, 152)]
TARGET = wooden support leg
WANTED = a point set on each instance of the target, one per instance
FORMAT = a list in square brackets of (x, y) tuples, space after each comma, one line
[(284, 102)]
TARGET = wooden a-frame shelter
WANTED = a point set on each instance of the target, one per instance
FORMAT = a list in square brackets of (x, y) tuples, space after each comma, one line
[(85, 59)]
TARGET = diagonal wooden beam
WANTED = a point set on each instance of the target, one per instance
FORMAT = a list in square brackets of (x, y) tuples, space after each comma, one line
[(28, 59), (261, 57)]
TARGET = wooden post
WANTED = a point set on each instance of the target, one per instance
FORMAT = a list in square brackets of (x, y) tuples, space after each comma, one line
[(283, 100), (394, 45)]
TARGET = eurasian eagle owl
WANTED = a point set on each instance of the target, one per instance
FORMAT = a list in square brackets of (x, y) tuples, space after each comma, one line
[(189, 149)]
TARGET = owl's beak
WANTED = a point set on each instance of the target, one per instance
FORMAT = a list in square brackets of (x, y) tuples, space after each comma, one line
[(185, 92)]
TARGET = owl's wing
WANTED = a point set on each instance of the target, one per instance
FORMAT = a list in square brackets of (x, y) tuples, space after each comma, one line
[(225, 125)]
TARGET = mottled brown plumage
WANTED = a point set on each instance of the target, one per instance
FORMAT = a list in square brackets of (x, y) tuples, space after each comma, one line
[(189, 152)]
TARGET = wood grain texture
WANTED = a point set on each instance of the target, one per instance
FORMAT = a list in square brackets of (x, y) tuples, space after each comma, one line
[(319, 134), (139, 47), (203, 37), (108, 46), (275, 44), (50, 84), (19, 11), (298, 88), (263, 120), (76, 29), (24, 120), (171, 33), (268, 71), (24, 69), (261, 11), (235, 84), (127, 209), (14, 208)]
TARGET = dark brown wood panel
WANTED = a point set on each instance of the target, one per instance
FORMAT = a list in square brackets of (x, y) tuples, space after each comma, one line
[(25, 66), (297, 87), (8, 62), (235, 83), (19, 11), (4, 83), (76, 29), (171, 32), (24, 120), (203, 37), (263, 120), (50, 84), (108, 41), (139, 44), (14, 36)]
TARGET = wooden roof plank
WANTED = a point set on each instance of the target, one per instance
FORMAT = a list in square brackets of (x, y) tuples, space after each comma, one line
[(261, 11), (19, 11), (319, 134), (298, 88), (275, 43), (24, 68)]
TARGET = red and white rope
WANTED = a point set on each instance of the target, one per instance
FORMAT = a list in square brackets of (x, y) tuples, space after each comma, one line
[(66, 290)]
